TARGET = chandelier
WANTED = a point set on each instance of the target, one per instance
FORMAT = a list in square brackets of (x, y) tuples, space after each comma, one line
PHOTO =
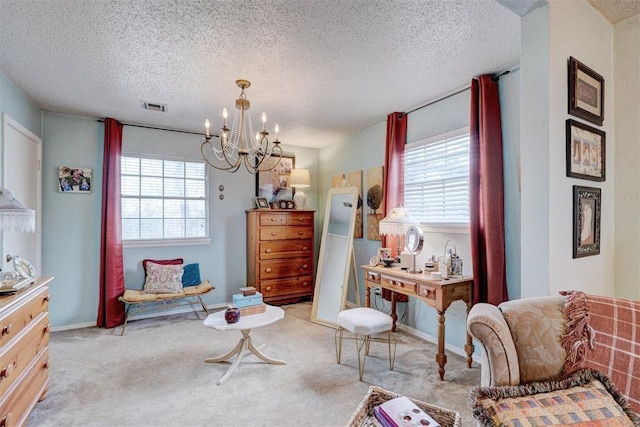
[(238, 146)]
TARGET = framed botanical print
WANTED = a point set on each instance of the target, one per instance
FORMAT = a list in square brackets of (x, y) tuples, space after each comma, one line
[(586, 151), (586, 92), (586, 221)]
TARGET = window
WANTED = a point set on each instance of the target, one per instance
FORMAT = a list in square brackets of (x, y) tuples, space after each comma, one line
[(163, 199), (436, 179)]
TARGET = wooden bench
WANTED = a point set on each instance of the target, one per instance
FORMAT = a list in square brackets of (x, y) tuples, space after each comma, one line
[(137, 301)]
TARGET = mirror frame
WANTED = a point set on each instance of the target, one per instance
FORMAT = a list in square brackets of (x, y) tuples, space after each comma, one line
[(348, 261)]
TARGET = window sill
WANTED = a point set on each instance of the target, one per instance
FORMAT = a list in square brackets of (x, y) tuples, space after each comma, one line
[(164, 242), (445, 228)]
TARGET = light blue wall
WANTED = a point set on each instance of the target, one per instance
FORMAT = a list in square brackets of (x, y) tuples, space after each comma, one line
[(71, 231), (365, 149), (17, 106)]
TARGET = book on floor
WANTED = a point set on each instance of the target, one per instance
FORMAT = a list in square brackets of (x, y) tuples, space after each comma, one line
[(400, 412)]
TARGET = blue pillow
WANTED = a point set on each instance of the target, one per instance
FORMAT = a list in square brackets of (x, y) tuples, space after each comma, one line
[(191, 275)]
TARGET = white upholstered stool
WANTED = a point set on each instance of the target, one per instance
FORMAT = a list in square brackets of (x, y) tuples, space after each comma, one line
[(364, 323)]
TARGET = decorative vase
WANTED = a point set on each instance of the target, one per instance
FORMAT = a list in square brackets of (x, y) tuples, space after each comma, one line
[(232, 314)]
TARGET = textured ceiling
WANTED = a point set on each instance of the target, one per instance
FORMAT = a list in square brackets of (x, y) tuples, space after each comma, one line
[(615, 11), (322, 69)]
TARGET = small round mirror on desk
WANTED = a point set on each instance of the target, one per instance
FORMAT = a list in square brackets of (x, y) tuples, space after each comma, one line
[(414, 240)]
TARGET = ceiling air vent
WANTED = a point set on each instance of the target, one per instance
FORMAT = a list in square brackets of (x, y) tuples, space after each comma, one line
[(153, 106)]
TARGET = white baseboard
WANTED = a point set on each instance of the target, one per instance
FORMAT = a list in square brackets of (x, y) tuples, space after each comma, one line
[(177, 310)]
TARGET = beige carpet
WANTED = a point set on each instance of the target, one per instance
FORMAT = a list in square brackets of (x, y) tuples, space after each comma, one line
[(154, 375)]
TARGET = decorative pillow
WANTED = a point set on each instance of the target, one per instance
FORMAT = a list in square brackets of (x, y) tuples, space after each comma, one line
[(191, 275), (587, 397), (163, 278), (602, 334), (176, 261)]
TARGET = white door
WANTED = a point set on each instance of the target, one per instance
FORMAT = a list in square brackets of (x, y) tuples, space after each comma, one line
[(22, 175)]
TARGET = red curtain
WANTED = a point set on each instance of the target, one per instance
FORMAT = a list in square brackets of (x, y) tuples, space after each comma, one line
[(394, 171), (487, 194), (110, 310)]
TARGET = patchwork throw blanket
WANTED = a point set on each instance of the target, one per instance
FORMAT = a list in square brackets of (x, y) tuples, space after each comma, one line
[(603, 333)]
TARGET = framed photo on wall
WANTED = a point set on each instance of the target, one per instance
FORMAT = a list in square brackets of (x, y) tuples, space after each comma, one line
[(73, 179), (586, 221), (275, 184), (586, 92), (586, 151)]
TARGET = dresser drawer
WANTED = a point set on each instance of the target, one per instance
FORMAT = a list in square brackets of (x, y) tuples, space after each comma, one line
[(14, 321), (285, 268), (299, 233), (285, 249), (15, 407), (301, 218), (273, 233), (273, 219), (286, 287), (406, 285), (15, 359)]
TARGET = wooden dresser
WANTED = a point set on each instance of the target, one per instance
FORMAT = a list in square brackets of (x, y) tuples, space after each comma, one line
[(280, 254), (24, 352)]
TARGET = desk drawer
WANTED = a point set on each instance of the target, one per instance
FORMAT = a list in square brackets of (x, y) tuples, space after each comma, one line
[(285, 268), (391, 283), (426, 291)]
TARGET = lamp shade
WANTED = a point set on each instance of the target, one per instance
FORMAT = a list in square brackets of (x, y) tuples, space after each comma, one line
[(14, 216), (397, 222), (300, 178)]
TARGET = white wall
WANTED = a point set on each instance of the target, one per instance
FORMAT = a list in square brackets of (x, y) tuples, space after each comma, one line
[(627, 157), (574, 29)]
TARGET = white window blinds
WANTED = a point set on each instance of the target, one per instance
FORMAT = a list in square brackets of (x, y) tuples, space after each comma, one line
[(162, 199), (436, 179)]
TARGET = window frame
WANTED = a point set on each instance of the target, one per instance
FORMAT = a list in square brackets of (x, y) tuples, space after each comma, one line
[(443, 227), (187, 241)]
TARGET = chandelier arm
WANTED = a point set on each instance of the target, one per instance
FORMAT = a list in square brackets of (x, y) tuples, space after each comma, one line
[(232, 166)]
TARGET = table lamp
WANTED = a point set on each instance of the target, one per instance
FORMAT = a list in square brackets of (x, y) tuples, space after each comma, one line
[(396, 224), (14, 216), (300, 178)]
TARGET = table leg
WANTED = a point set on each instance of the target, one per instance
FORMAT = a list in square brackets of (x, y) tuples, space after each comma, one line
[(394, 315), (367, 295), (241, 349), (469, 348), (441, 357)]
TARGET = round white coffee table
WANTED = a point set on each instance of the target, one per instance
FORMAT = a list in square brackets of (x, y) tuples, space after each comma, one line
[(244, 325)]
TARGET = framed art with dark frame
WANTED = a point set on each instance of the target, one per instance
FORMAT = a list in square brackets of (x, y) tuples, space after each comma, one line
[(274, 185), (586, 151), (586, 92), (586, 221), (261, 203)]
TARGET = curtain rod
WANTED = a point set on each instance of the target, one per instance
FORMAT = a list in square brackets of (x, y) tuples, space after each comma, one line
[(495, 77), (155, 128)]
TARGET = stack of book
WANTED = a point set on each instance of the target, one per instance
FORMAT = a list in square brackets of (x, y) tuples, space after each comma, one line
[(249, 301), (401, 411)]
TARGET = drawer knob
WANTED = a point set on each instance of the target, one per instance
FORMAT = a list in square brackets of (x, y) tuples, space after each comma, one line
[(268, 269), (7, 329), (305, 283), (6, 372), (45, 365), (305, 248), (47, 298), (273, 233), (268, 288), (305, 266), (273, 220), (46, 328), (268, 250), (6, 420), (299, 233)]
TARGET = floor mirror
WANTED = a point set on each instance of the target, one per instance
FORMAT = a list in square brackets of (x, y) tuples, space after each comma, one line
[(336, 246)]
